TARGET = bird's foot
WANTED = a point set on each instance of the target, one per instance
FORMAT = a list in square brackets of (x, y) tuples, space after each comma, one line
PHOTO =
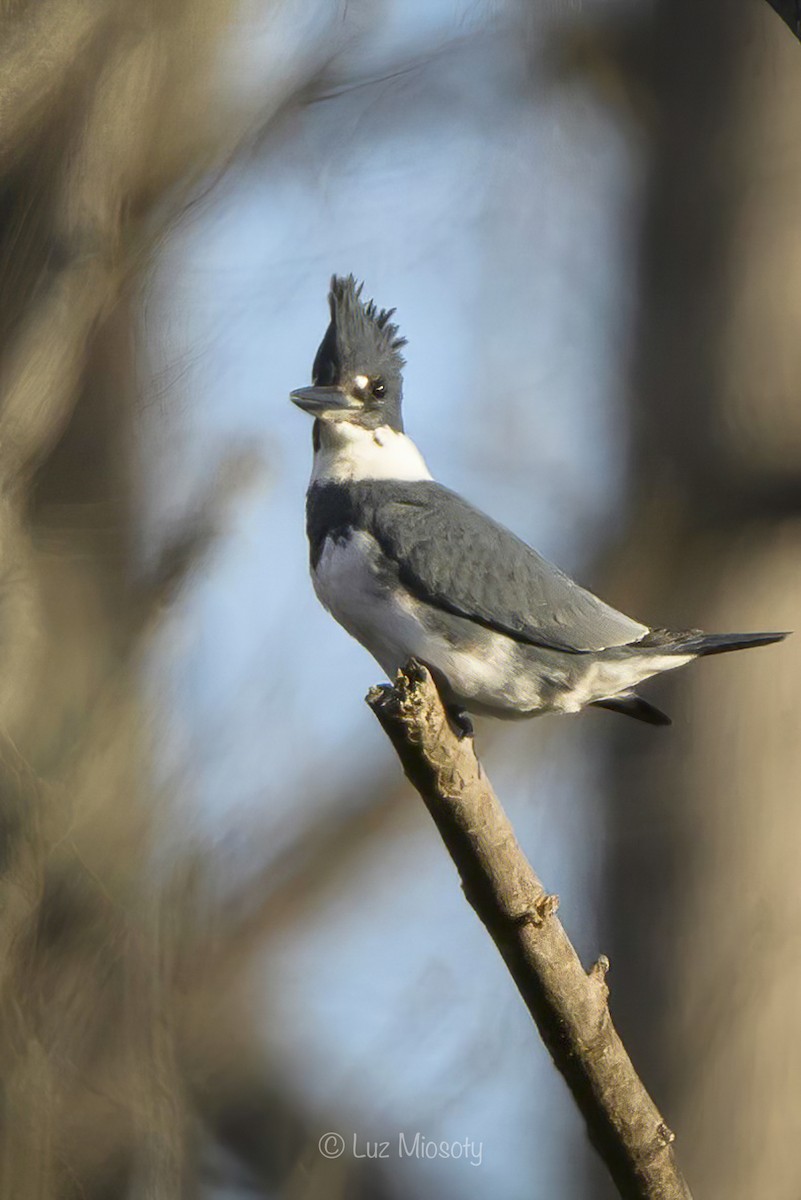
[(378, 692), (460, 722)]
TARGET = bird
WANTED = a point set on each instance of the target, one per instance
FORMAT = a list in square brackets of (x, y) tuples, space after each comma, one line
[(414, 572)]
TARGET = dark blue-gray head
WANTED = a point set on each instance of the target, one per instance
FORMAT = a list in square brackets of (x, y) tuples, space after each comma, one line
[(357, 374)]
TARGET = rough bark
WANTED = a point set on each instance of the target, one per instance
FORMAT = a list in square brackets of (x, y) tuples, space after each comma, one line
[(568, 1004)]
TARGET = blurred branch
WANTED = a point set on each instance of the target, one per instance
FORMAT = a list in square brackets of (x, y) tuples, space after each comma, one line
[(333, 85), (196, 536), (330, 77), (43, 365), (113, 113), (568, 1005), (790, 13), (39, 54)]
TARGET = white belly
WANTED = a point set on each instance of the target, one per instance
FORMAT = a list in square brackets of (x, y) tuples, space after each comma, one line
[(486, 672), (604, 679), (394, 626), (348, 584)]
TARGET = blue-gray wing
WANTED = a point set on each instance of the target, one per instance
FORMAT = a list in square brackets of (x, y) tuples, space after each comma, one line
[(455, 557)]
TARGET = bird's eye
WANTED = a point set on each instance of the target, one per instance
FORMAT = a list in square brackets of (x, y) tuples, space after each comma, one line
[(379, 387)]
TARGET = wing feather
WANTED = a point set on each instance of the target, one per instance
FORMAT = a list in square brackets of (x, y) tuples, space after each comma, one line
[(453, 556)]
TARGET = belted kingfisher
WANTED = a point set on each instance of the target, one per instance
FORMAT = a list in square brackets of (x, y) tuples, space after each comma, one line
[(410, 569)]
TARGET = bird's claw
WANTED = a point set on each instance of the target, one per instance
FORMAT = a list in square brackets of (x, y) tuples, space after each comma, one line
[(460, 723)]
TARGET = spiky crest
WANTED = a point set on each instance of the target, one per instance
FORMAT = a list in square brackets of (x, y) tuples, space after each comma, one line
[(361, 337), (353, 316)]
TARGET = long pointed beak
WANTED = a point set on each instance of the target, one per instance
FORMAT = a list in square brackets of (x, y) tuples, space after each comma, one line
[(316, 400)]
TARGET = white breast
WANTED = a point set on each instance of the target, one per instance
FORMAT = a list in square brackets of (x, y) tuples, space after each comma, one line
[(393, 625), (348, 452), (348, 582)]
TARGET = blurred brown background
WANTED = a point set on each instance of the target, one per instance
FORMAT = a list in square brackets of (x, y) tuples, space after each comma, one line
[(225, 927)]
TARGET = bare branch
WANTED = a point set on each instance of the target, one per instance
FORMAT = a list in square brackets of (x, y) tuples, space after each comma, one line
[(568, 1005)]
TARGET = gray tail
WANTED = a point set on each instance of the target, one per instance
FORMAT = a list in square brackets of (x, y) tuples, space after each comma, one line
[(721, 643)]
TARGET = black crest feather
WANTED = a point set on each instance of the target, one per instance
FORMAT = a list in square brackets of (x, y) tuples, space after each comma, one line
[(361, 336), (354, 316), (362, 339)]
